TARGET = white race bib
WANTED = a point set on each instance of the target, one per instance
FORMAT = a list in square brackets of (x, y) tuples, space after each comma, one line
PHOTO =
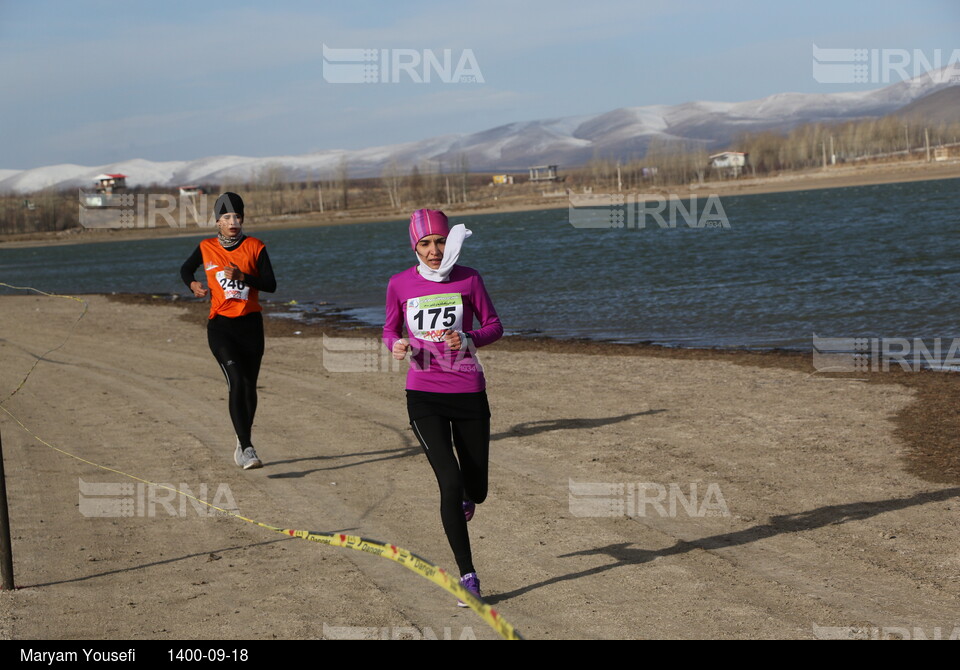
[(429, 317), (233, 289)]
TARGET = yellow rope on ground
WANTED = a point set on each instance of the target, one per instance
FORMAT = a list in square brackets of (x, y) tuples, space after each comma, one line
[(409, 560)]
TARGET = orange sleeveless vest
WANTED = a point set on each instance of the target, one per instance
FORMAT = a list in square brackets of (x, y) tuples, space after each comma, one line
[(231, 297)]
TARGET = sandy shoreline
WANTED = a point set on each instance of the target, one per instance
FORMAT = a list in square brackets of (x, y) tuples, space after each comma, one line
[(830, 525), (834, 177)]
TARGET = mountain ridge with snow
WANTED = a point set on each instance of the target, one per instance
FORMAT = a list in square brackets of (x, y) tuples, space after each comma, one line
[(622, 134)]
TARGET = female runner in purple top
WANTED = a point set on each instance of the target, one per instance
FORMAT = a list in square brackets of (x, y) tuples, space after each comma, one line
[(437, 301)]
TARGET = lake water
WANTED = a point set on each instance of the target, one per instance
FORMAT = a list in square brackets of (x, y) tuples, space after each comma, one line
[(866, 261)]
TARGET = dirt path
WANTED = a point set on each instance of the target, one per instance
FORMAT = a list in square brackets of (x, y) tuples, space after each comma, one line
[(825, 528)]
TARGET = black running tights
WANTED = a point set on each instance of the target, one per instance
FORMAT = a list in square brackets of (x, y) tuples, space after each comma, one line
[(237, 344), (461, 477)]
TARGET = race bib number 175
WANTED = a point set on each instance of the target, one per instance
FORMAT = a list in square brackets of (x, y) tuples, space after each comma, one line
[(429, 317)]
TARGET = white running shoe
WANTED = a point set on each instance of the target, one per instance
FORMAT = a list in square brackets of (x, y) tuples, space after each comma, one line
[(247, 458)]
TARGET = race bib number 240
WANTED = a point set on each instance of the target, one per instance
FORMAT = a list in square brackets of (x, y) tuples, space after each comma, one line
[(233, 289), (429, 317)]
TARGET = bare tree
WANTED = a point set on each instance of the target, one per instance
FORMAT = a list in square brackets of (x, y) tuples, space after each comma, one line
[(342, 180), (270, 178), (416, 186), (393, 182), (463, 168)]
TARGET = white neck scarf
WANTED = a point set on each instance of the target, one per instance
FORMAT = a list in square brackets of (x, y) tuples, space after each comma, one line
[(451, 253)]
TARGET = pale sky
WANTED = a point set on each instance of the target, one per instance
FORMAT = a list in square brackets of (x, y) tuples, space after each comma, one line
[(94, 82)]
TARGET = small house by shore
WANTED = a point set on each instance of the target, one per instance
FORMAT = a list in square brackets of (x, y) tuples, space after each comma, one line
[(544, 173), (730, 163), (108, 183)]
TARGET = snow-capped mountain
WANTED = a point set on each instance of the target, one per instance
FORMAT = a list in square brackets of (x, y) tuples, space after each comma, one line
[(619, 134)]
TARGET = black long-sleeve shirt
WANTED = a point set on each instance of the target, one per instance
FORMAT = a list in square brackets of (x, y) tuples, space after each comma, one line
[(266, 281)]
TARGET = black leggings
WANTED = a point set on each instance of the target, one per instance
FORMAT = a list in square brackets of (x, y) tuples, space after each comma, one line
[(237, 344), (461, 477)]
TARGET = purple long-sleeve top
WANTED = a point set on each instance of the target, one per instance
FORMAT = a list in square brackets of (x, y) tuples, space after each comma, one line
[(428, 310)]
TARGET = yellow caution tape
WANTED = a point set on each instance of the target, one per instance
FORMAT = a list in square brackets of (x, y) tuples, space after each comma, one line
[(419, 565), (409, 560), (46, 353)]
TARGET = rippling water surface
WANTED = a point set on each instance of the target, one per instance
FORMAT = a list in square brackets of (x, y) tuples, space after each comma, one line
[(861, 261)]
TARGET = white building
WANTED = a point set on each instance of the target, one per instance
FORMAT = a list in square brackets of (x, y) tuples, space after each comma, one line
[(108, 183), (731, 162)]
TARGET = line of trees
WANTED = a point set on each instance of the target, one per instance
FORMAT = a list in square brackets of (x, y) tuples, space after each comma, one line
[(665, 162), (44, 211), (275, 191), (812, 144), (807, 146)]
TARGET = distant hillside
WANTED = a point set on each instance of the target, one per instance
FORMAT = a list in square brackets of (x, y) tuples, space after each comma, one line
[(940, 107), (621, 134)]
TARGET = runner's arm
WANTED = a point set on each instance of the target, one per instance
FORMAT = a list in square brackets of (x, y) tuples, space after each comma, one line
[(190, 267), (490, 329), (393, 321), (266, 282)]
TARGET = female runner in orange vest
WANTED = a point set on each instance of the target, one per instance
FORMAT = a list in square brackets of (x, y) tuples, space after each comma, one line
[(237, 269)]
